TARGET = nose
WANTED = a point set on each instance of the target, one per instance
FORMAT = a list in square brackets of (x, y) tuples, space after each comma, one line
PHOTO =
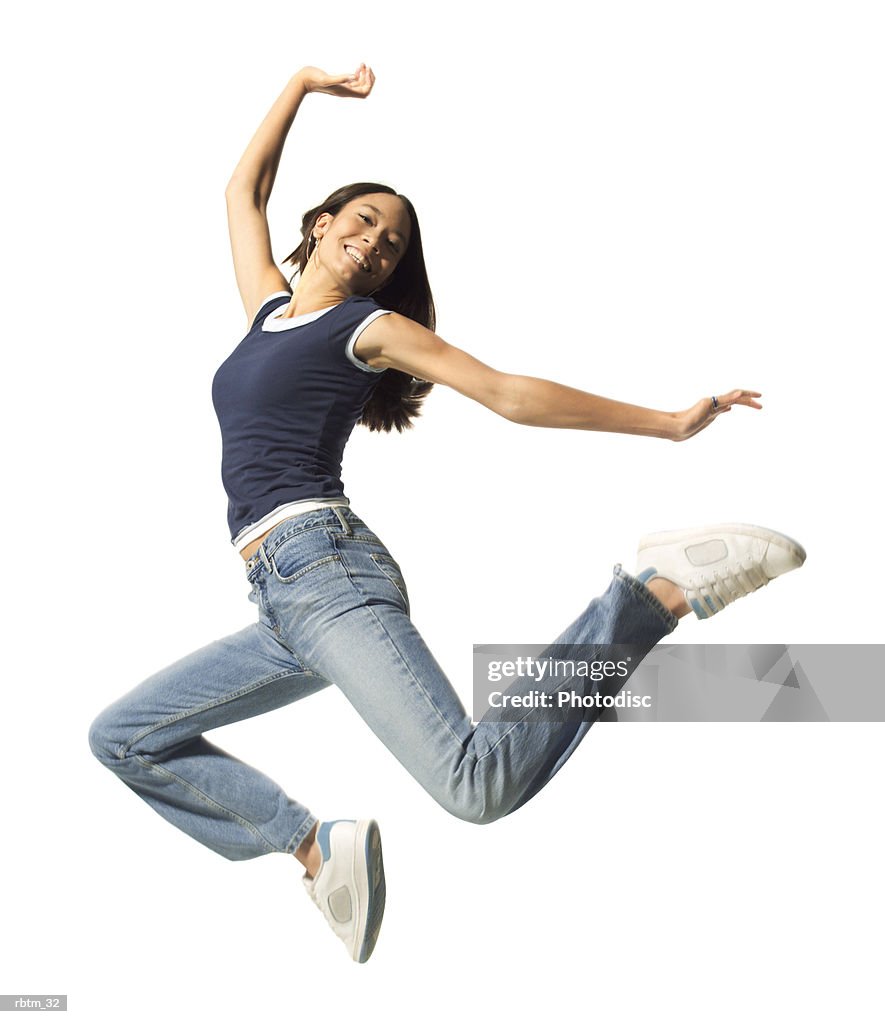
[(370, 241)]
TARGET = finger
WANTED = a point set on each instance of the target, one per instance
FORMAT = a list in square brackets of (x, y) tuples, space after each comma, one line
[(740, 397), (736, 393), (747, 402), (363, 80), (352, 77)]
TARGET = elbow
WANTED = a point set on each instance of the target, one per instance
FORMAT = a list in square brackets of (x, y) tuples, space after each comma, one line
[(238, 190), (509, 409), (510, 400)]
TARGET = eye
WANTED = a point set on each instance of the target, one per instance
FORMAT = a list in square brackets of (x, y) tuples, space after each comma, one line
[(393, 246), (365, 218)]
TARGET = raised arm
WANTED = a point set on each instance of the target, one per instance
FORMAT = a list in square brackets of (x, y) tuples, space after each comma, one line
[(251, 183), (396, 342)]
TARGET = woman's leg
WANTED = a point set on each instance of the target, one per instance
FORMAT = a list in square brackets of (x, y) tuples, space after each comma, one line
[(151, 738), (339, 602)]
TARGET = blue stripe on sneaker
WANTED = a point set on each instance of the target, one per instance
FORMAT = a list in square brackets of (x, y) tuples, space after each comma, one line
[(710, 604), (647, 574), (324, 833), (698, 609), (323, 839)]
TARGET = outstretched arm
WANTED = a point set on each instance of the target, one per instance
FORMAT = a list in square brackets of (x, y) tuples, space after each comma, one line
[(251, 183), (396, 342)]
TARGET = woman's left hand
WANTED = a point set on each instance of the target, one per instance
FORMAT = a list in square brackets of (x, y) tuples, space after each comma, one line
[(692, 421)]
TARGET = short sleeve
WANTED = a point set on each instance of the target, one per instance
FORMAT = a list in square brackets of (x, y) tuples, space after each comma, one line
[(352, 340)]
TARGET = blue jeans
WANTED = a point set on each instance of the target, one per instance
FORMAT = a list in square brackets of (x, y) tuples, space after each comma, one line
[(333, 608)]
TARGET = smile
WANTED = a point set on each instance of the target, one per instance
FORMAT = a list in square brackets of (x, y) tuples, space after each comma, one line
[(358, 258)]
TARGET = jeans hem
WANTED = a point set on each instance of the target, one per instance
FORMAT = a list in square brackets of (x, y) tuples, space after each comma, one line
[(641, 591), (300, 835)]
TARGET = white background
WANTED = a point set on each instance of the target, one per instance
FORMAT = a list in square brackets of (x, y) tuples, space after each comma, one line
[(651, 201)]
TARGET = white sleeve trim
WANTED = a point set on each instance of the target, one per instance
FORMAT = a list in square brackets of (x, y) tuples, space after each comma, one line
[(276, 295), (353, 338)]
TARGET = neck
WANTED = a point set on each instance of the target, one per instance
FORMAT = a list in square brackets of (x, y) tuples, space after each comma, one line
[(314, 290)]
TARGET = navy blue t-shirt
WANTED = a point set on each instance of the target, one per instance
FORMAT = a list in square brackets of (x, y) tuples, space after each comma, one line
[(287, 399)]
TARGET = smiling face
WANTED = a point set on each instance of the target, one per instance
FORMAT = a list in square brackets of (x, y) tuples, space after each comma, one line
[(363, 243)]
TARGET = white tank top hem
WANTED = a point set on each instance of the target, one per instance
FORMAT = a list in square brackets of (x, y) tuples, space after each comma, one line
[(280, 514)]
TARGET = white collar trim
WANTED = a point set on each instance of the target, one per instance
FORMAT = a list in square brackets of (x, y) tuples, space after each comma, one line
[(274, 322)]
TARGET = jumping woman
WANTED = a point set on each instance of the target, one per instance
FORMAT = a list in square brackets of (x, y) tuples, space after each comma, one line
[(354, 342)]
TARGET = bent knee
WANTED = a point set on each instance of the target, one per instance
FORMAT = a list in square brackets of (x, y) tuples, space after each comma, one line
[(484, 817), (473, 811), (103, 741)]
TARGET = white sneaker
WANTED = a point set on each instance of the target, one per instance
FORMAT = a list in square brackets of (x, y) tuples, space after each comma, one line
[(349, 887), (716, 565)]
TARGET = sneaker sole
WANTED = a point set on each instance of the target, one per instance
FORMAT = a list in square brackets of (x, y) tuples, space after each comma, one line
[(652, 540), (370, 886)]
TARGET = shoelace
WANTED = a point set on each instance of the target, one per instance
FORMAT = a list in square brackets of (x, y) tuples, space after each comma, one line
[(721, 588)]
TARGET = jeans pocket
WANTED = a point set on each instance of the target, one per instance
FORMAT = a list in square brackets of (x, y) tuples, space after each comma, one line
[(302, 553), (388, 565)]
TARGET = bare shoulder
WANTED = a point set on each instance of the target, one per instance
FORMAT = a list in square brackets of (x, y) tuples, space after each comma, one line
[(396, 342), (393, 341)]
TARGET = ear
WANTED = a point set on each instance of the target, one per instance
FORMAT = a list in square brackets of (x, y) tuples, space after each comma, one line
[(321, 225)]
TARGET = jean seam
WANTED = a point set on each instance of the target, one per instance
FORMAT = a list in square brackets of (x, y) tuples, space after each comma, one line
[(181, 715), (417, 682), (250, 826), (405, 663), (385, 562)]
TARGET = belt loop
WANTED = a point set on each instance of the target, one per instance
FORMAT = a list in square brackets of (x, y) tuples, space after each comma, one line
[(345, 525), (264, 558)]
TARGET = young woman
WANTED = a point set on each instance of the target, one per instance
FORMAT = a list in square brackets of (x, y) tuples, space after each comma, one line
[(354, 342)]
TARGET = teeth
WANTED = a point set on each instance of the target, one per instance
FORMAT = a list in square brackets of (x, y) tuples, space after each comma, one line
[(355, 256)]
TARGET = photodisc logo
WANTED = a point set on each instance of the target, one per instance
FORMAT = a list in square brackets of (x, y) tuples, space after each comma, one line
[(573, 672)]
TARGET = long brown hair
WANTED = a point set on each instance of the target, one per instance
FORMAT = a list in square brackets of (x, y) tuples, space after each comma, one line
[(396, 399)]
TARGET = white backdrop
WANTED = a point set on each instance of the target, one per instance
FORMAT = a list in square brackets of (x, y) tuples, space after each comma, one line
[(648, 201)]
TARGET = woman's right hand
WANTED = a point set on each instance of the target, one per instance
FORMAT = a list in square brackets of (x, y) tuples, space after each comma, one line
[(692, 421), (355, 86)]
